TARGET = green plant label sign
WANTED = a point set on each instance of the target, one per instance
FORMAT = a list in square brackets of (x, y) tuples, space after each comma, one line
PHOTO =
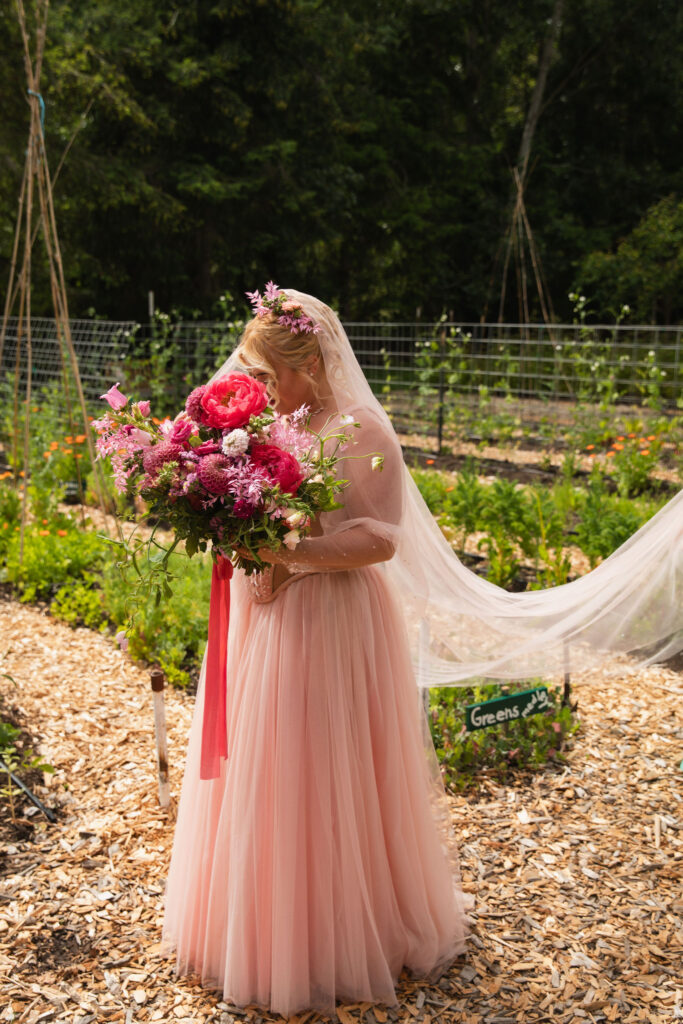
[(506, 709)]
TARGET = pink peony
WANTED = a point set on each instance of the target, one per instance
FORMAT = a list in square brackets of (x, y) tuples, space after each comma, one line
[(181, 431), (206, 448), (280, 467), (115, 398), (155, 457), (211, 473), (230, 401)]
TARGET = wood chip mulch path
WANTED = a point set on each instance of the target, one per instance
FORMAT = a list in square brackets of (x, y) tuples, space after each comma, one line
[(576, 873)]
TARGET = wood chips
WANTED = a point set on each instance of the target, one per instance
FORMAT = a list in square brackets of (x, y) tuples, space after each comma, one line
[(576, 874)]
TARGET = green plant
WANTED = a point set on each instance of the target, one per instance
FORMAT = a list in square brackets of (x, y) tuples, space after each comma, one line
[(528, 743), (51, 558), (80, 604), (603, 525), (15, 760), (503, 564), (171, 633)]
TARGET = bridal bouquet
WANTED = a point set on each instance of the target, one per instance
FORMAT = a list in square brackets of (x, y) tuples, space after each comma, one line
[(229, 471)]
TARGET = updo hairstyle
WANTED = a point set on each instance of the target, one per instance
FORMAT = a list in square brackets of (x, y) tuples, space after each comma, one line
[(265, 340)]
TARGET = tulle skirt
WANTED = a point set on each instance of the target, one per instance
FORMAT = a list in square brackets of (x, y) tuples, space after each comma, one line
[(320, 863)]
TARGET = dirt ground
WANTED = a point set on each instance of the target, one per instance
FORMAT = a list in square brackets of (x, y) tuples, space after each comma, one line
[(575, 873)]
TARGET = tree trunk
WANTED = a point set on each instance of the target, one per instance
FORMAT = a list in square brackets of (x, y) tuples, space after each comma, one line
[(545, 60)]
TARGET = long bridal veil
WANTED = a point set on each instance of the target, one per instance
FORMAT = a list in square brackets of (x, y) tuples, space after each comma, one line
[(463, 627)]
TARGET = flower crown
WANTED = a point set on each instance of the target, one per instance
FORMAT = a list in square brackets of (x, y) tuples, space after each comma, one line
[(288, 312)]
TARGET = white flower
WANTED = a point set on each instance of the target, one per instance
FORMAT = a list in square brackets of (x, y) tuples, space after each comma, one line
[(377, 462), (236, 442), (317, 479), (291, 539), (346, 421), (295, 518)]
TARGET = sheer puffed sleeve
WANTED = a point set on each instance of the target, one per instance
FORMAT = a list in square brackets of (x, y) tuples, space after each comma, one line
[(366, 530)]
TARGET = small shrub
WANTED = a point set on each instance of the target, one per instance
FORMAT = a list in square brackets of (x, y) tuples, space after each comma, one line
[(530, 743)]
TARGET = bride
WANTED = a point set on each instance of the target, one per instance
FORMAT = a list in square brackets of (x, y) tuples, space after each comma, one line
[(320, 862)]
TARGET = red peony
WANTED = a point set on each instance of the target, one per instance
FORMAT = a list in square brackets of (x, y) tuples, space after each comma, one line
[(281, 467), (230, 401)]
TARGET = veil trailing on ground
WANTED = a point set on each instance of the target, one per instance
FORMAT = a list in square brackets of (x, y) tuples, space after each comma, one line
[(463, 627)]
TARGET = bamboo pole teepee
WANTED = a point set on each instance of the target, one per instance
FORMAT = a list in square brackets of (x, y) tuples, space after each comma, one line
[(36, 213)]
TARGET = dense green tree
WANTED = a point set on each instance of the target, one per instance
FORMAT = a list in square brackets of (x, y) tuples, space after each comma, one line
[(360, 151)]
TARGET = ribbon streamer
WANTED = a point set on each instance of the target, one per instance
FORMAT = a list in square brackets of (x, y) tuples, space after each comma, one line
[(214, 725)]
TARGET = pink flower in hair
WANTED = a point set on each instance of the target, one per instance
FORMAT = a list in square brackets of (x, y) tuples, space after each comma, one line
[(289, 313)]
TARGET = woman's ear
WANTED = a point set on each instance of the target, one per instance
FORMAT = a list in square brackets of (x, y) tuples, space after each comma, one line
[(312, 366)]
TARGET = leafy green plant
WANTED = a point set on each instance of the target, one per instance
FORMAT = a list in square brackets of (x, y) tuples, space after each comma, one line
[(171, 633), (14, 761), (80, 604), (529, 743), (50, 560)]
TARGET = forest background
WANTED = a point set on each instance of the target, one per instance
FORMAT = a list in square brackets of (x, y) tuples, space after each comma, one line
[(362, 151)]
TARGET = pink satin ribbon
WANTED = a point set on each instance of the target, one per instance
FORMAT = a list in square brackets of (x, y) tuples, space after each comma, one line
[(214, 725)]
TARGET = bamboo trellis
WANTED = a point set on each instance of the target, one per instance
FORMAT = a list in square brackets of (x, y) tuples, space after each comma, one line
[(36, 213)]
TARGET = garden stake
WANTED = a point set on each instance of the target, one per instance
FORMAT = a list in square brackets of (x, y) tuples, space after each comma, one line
[(566, 694), (157, 678), (50, 815)]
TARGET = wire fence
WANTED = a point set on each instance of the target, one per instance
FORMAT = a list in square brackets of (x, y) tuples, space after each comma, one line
[(426, 374)]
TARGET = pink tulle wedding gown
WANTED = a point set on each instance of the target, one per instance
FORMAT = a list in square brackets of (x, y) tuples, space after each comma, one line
[(318, 864)]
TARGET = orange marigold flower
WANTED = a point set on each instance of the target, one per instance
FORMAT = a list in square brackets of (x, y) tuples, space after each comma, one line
[(591, 455), (590, 447), (645, 451), (79, 455), (44, 533), (430, 462), (619, 447), (46, 455), (62, 533), (44, 522), (80, 439), (651, 437), (610, 454), (5, 526), (67, 451), (621, 439), (34, 408), (631, 435), (21, 472), (155, 419), (69, 440), (449, 489), (54, 445)]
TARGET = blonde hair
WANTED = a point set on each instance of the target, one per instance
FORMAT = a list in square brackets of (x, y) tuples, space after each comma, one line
[(265, 340)]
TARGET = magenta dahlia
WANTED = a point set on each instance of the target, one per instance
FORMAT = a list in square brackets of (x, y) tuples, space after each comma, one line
[(211, 472), (158, 454)]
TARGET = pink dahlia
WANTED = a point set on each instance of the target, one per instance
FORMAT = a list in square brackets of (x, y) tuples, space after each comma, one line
[(155, 457), (211, 471), (193, 404), (232, 400)]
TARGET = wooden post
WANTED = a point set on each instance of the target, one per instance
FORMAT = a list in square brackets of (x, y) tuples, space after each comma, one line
[(157, 679)]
